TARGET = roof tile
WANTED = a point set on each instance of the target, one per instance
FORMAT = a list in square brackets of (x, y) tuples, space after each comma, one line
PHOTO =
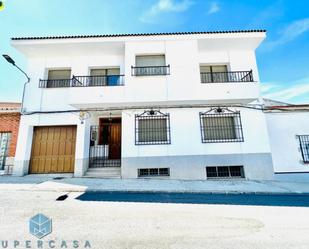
[(137, 34)]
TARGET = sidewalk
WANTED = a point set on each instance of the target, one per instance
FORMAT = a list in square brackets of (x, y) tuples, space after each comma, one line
[(69, 184)]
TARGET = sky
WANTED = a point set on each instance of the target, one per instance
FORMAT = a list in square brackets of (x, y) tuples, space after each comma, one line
[(283, 58)]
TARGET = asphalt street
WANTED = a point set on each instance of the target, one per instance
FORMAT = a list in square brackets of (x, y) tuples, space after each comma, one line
[(146, 220)]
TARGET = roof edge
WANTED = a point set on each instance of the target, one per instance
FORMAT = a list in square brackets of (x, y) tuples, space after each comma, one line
[(137, 34)]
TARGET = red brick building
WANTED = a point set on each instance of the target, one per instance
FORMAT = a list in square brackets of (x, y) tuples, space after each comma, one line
[(9, 125)]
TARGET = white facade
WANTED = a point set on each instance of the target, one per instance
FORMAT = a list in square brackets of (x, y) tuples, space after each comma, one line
[(284, 128), (179, 93)]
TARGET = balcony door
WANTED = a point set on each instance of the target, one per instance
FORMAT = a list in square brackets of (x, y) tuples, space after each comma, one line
[(59, 78), (217, 73), (150, 60), (105, 77)]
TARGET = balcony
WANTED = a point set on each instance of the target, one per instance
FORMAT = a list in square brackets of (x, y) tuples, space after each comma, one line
[(84, 81), (150, 70), (227, 77)]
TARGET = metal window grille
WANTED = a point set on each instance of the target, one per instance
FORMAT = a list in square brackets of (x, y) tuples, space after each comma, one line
[(304, 147), (225, 172), (5, 138), (149, 172), (221, 125), (152, 127)]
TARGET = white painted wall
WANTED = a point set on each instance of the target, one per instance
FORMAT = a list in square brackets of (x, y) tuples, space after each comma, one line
[(182, 86), (282, 130), (184, 54), (24, 143), (186, 135), (59, 98)]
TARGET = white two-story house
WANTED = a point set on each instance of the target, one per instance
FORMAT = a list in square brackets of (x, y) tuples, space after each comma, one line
[(168, 105)]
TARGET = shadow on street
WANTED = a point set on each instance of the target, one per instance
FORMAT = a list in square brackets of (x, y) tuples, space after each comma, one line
[(286, 200)]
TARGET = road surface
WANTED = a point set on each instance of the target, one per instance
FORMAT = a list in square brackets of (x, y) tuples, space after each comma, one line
[(121, 220)]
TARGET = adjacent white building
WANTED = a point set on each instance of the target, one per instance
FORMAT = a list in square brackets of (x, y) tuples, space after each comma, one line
[(288, 129), (170, 105)]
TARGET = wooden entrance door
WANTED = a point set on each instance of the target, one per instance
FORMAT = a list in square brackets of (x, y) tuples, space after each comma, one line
[(111, 135), (53, 149)]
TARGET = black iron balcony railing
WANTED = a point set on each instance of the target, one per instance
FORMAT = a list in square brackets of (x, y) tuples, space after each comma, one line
[(101, 80), (225, 77), (55, 83), (150, 70), (84, 81)]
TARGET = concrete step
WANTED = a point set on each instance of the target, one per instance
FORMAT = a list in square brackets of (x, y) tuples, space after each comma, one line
[(105, 170), (90, 175), (108, 172)]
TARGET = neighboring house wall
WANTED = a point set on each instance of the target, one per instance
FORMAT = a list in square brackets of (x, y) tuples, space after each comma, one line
[(283, 128), (9, 123)]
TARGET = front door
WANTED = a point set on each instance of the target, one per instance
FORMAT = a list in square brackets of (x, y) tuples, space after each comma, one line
[(111, 135)]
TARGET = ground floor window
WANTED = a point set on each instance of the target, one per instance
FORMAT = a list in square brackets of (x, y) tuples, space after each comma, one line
[(4, 147), (221, 125), (152, 127), (225, 172), (148, 172), (304, 147)]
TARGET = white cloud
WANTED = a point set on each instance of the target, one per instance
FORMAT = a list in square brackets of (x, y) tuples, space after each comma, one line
[(290, 33), (295, 91), (214, 8), (164, 6), (267, 87)]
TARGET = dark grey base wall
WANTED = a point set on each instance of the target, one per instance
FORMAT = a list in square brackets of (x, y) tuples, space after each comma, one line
[(257, 166)]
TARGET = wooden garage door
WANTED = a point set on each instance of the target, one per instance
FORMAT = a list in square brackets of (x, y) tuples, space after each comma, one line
[(53, 149)]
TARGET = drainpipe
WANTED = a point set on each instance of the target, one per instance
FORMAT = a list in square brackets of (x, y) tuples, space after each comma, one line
[(24, 90)]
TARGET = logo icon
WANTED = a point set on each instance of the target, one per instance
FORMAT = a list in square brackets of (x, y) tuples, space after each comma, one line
[(40, 225)]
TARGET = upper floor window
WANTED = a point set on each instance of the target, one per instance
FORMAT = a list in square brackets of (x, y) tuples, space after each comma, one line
[(221, 125), (152, 127), (59, 78), (220, 74), (105, 77), (216, 73), (150, 65), (304, 147)]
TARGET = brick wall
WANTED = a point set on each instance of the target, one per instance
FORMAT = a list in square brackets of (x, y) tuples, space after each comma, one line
[(9, 122)]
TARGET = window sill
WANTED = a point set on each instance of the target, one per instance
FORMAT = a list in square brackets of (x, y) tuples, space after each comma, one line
[(157, 143), (226, 178), (151, 177), (217, 141)]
